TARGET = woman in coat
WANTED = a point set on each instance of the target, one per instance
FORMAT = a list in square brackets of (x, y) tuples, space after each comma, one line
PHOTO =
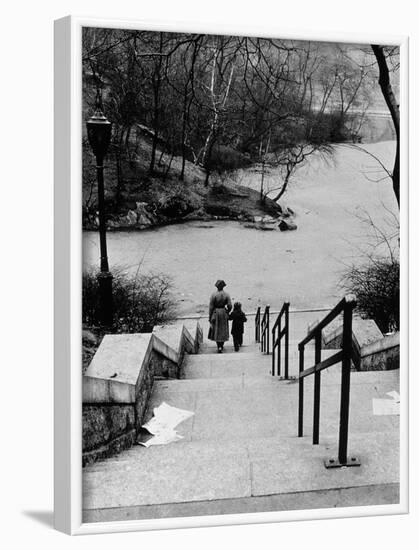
[(219, 308)]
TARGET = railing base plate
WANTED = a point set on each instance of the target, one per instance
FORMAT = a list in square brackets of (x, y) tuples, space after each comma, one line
[(334, 462), (290, 378)]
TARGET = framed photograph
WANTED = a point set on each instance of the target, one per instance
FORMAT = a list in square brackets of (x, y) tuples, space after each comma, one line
[(230, 275)]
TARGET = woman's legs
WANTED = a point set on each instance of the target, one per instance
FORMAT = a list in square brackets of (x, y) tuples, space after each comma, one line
[(220, 346)]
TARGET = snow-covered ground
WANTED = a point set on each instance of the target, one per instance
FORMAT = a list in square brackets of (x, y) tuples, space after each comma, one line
[(329, 199)]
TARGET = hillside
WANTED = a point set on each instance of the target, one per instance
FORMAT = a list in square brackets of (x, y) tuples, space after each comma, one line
[(137, 199)]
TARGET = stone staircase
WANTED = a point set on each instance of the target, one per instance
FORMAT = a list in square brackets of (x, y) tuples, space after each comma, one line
[(240, 451)]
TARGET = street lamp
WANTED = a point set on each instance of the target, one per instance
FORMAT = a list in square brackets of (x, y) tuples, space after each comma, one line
[(99, 135)]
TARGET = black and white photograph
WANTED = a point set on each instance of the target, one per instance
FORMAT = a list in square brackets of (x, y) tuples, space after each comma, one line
[(241, 275)]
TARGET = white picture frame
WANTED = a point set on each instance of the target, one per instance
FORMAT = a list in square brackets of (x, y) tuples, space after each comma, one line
[(68, 268)]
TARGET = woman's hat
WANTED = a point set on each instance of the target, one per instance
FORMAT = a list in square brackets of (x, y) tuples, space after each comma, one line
[(220, 283)]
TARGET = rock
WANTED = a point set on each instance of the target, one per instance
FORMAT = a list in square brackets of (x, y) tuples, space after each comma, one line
[(131, 217), (89, 338), (287, 212), (199, 214), (267, 227), (269, 220), (244, 216), (144, 217), (287, 225), (143, 220), (261, 226)]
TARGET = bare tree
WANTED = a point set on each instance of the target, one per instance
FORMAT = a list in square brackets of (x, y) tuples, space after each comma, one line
[(381, 55)]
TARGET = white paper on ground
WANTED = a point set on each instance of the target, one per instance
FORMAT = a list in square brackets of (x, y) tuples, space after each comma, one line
[(163, 424), (385, 406), (395, 395), (162, 439), (165, 418)]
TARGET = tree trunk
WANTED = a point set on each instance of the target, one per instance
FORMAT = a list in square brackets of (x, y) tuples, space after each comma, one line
[(285, 184), (156, 109), (390, 99), (119, 173)]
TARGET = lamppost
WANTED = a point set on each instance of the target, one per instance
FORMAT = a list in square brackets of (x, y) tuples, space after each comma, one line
[(99, 135)]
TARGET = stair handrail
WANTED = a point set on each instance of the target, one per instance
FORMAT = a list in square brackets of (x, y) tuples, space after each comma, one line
[(345, 356), (277, 334), (257, 326), (264, 331)]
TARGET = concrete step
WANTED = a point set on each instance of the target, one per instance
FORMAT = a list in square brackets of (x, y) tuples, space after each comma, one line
[(238, 364), (368, 495), (211, 347), (209, 471), (254, 406)]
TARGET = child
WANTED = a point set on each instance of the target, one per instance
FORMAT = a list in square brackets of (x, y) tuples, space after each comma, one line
[(237, 328)]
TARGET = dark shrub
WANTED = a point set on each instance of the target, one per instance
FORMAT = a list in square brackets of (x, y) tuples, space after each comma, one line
[(177, 201), (224, 159), (140, 301), (376, 285)]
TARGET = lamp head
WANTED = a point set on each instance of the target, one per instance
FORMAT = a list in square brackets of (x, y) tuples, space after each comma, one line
[(99, 130)]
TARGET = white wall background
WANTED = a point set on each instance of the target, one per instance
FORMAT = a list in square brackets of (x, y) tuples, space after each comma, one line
[(26, 299)]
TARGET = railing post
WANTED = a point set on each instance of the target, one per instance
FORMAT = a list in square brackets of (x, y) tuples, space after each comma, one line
[(273, 351), (279, 348), (257, 325), (287, 307), (267, 330), (345, 384), (317, 380), (262, 335), (301, 392), (345, 390)]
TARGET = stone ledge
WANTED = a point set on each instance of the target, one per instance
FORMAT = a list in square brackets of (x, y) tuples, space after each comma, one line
[(161, 346), (99, 390), (364, 332), (176, 338), (120, 356), (119, 380), (384, 344)]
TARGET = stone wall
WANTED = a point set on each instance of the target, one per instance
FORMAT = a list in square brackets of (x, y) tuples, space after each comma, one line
[(377, 352), (382, 355), (107, 430)]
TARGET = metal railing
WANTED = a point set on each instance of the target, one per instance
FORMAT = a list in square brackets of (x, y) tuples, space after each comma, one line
[(345, 356), (257, 326), (277, 334), (264, 331)]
